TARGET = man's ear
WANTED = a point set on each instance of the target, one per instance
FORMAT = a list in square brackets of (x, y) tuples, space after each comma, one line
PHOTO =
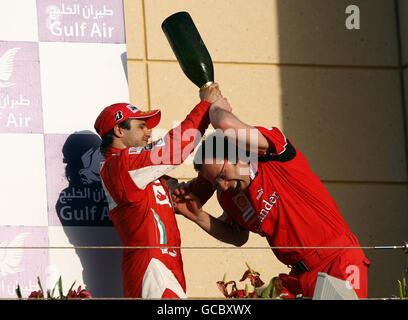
[(118, 131)]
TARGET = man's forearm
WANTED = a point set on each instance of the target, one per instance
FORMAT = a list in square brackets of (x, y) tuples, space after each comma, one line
[(220, 230), (220, 118), (238, 131)]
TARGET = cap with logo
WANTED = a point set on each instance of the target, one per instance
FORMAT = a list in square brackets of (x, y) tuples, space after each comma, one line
[(119, 112)]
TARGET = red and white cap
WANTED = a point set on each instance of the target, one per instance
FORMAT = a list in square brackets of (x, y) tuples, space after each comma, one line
[(119, 112)]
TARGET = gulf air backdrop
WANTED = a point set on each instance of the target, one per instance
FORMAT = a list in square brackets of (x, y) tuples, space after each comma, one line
[(61, 62)]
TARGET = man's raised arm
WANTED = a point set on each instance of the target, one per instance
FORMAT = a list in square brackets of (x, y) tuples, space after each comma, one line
[(222, 118)]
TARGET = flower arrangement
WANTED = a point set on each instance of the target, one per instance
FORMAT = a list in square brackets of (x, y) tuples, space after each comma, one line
[(71, 294), (272, 290)]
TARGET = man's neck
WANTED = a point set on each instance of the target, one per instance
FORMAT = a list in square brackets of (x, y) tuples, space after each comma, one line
[(118, 144)]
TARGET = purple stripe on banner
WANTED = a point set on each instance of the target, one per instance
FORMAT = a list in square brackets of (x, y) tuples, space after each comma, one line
[(81, 21), (20, 88)]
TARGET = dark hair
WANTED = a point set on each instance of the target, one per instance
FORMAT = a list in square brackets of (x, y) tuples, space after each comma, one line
[(218, 147), (107, 139)]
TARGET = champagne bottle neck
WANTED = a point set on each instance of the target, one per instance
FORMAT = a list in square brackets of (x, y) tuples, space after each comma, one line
[(206, 85)]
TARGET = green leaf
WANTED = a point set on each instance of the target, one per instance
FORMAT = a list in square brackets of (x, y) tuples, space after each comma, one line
[(400, 290), (18, 292), (69, 291), (53, 290), (275, 293), (266, 293), (249, 268), (41, 288), (61, 293)]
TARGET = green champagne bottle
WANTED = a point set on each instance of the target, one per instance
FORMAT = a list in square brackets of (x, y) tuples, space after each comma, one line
[(189, 48)]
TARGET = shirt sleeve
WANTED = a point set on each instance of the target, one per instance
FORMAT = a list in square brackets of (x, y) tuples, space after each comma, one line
[(148, 163), (276, 139)]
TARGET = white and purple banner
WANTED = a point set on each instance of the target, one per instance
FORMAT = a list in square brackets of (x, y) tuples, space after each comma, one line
[(81, 21), (61, 63), (20, 88)]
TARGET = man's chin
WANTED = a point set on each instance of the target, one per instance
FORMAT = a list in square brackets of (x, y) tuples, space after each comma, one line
[(140, 144)]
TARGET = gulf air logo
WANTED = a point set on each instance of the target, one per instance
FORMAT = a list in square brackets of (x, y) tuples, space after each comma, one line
[(6, 67)]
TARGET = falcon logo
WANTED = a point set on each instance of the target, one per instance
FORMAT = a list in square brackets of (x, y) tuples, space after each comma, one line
[(91, 162), (6, 67), (11, 259), (118, 116)]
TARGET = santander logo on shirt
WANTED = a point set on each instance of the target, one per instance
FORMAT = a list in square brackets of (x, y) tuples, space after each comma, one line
[(267, 206)]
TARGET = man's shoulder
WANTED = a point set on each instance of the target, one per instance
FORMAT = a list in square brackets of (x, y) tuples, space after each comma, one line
[(111, 160)]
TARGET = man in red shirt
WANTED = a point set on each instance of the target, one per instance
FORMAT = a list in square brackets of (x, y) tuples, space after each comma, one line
[(276, 195), (137, 190)]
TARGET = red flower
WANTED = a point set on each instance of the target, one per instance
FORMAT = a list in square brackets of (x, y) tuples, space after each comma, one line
[(254, 277), (238, 294), (79, 294), (224, 288), (275, 285), (36, 295), (241, 294), (83, 294)]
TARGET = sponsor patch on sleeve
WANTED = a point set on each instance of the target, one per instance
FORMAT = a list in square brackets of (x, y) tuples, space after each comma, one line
[(135, 150)]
